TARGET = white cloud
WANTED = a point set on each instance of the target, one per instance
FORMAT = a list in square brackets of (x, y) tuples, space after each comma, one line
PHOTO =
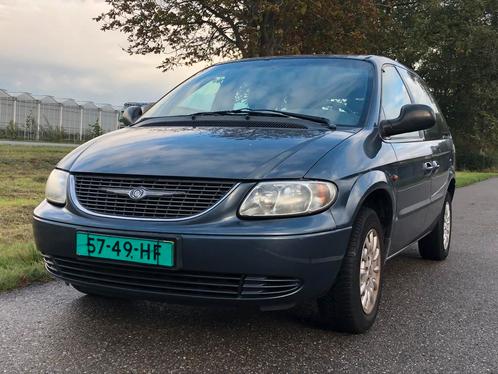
[(54, 47)]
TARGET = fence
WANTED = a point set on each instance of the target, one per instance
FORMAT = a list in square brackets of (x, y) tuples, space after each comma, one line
[(32, 117)]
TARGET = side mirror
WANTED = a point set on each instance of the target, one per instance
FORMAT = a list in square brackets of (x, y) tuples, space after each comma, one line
[(413, 117), (131, 114), (146, 107)]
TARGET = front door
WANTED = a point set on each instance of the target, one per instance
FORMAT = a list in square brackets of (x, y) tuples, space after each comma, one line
[(413, 191), (438, 139), (413, 168)]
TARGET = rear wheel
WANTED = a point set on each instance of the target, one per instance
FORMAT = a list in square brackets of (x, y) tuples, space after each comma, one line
[(352, 303), (436, 245)]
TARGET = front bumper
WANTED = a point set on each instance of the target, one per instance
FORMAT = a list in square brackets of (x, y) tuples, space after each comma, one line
[(269, 271)]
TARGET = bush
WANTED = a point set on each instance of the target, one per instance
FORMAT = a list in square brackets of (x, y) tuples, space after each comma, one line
[(10, 132), (95, 129), (475, 161), (52, 133)]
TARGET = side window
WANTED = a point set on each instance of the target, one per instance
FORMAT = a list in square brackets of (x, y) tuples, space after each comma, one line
[(422, 95), (394, 97)]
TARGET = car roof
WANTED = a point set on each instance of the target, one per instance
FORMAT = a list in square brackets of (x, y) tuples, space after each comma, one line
[(377, 60)]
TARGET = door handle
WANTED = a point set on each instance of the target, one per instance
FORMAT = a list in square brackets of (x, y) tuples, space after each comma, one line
[(428, 167)]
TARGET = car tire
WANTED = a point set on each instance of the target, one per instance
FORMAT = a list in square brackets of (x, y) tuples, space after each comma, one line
[(347, 307), (436, 245)]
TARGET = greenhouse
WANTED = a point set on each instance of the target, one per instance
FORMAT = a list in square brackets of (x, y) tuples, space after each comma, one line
[(35, 117)]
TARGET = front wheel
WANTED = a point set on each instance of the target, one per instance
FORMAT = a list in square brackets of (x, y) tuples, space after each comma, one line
[(352, 303), (436, 245)]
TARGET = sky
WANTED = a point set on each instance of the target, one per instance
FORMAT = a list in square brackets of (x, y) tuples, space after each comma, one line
[(54, 47)]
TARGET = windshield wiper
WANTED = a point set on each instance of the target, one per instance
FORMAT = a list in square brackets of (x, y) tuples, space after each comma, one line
[(270, 112)]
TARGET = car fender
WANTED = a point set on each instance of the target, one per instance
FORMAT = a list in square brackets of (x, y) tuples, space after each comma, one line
[(373, 180)]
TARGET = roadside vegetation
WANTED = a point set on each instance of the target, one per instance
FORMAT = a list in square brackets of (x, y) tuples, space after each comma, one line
[(464, 178), (28, 131), (23, 172)]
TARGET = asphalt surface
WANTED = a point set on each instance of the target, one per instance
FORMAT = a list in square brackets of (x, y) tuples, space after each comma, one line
[(435, 317)]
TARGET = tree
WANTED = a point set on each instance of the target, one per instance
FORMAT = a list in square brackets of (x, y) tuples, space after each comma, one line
[(29, 126), (187, 32), (453, 45), (95, 129)]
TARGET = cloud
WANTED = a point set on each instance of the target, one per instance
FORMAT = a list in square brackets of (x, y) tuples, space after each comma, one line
[(54, 47)]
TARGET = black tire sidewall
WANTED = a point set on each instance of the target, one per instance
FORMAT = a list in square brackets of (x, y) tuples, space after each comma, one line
[(341, 307), (371, 222), (431, 246)]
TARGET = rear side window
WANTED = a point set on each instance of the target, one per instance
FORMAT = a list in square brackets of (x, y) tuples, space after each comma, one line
[(394, 97), (422, 95)]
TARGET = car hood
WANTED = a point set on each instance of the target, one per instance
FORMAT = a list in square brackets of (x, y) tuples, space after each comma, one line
[(204, 152)]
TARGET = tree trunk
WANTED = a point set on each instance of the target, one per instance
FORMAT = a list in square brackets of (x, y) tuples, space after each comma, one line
[(267, 38)]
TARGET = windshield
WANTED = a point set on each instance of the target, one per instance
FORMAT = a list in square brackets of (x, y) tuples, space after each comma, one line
[(337, 89)]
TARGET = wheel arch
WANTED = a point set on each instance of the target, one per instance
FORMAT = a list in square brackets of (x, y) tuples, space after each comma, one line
[(375, 191), (381, 202), (452, 187)]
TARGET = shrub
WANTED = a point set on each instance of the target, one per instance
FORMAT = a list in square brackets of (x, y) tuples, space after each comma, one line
[(95, 129), (11, 131), (52, 133), (475, 161)]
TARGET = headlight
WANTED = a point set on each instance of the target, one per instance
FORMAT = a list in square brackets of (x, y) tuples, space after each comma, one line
[(56, 189), (288, 198)]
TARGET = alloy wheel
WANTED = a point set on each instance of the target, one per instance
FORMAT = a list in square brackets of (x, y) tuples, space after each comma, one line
[(370, 268), (446, 225)]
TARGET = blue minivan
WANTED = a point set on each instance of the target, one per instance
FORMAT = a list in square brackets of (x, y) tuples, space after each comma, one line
[(268, 182)]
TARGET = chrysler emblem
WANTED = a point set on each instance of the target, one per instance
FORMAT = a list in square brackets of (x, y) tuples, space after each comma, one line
[(138, 193)]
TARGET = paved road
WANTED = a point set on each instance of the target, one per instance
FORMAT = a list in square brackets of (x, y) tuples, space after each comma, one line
[(435, 317)]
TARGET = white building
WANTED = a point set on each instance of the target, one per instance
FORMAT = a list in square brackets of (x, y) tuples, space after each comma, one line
[(27, 116)]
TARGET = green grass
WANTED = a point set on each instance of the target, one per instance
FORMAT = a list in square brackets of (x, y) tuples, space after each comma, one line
[(20, 264), (464, 178), (23, 172)]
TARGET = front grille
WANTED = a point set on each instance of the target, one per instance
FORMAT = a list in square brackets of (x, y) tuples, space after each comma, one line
[(170, 282), (196, 196)]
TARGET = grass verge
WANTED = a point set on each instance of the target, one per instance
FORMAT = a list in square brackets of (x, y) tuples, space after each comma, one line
[(23, 172), (20, 264), (464, 178)]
